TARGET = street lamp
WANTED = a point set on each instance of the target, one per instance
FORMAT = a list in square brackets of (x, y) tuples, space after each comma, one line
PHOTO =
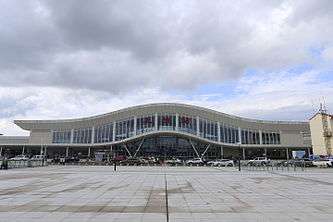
[(239, 156)]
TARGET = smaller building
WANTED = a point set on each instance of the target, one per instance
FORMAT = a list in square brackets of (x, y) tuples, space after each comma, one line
[(321, 126)]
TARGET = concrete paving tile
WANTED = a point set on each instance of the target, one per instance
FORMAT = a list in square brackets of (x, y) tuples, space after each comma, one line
[(76, 193)]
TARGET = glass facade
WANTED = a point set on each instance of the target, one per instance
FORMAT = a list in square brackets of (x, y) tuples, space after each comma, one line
[(208, 129), (145, 124), (166, 122), (229, 134), (124, 129), (82, 135), (61, 136), (166, 147), (104, 133), (250, 137), (187, 124), (132, 126), (271, 138)]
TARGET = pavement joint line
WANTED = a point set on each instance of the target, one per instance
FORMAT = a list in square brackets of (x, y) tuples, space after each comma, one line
[(166, 198), (304, 179)]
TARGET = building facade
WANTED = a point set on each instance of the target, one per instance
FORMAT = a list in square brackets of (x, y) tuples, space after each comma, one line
[(321, 125), (162, 130)]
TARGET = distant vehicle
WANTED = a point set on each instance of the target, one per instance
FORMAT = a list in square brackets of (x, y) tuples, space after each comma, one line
[(304, 162), (83, 160), (259, 161), (323, 162), (20, 157), (195, 161), (38, 157), (174, 161), (151, 160), (134, 161), (120, 158), (221, 162)]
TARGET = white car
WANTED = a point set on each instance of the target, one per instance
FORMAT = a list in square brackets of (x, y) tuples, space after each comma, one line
[(259, 161), (20, 157), (173, 161), (195, 161), (323, 163), (222, 162), (38, 157)]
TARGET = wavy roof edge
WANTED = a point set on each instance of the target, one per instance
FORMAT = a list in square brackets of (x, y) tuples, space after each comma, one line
[(70, 120)]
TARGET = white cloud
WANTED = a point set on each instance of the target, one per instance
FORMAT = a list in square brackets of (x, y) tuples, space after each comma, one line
[(276, 96), (61, 60), (150, 43)]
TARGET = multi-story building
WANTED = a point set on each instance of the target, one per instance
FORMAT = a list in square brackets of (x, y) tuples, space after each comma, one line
[(162, 130), (321, 125)]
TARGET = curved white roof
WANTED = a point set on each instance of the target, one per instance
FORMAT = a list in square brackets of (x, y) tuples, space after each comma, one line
[(149, 109)]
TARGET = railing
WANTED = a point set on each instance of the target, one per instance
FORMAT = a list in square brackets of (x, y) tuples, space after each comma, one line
[(11, 164), (275, 166)]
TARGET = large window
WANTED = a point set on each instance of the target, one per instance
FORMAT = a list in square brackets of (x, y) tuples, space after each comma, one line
[(124, 129), (104, 133), (271, 138), (82, 135), (187, 124), (229, 134), (208, 129), (250, 137), (145, 124), (166, 122), (61, 137)]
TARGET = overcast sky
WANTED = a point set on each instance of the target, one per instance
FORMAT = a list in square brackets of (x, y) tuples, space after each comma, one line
[(70, 58)]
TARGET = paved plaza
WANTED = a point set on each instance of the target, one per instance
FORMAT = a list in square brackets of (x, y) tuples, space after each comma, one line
[(97, 193)]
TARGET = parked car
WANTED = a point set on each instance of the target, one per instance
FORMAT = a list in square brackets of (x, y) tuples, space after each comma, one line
[(134, 161), (120, 158), (323, 162), (304, 162), (173, 161), (151, 160), (221, 162), (195, 161), (259, 161), (20, 157), (38, 157)]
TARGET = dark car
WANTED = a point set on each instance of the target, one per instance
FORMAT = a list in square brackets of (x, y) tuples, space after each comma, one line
[(119, 158), (134, 161), (304, 162)]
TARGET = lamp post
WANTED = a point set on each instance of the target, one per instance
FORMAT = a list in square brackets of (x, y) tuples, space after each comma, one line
[(239, 156)]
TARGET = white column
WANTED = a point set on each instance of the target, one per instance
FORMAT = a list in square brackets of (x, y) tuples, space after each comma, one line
[(240, 135), (67, 151), (0, 151), (89, 152), (309, 152), (287, 153), (134, 126), (244, 153), (265, 150), (177, 118), (23, 149), (93, 135), (198, 125), (156, 121), (41, 150), (221, 152), (114, 132), (72, 135), (260, 137), (218, 132)]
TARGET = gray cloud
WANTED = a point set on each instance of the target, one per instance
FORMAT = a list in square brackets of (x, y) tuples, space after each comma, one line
[(119, 46)]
